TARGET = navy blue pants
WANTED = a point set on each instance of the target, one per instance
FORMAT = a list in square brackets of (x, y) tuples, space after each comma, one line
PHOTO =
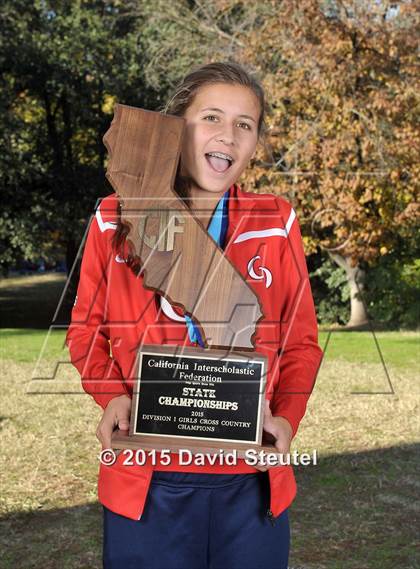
[(200, 521)]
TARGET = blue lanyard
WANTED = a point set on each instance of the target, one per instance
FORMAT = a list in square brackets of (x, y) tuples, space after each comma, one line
[(217, 230)]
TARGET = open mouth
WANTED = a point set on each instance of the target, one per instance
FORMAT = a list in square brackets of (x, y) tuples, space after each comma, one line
[(219, 161)]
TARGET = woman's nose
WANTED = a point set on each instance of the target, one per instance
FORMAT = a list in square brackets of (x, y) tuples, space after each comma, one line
[(227, 135)]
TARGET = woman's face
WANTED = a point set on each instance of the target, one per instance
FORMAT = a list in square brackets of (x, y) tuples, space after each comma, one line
[(221, 136)]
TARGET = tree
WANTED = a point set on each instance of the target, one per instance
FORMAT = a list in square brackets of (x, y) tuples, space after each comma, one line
[(342, 142), (176, 36), (63, 67)]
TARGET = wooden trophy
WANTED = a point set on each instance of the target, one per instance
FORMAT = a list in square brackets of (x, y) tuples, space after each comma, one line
[(207, 399)]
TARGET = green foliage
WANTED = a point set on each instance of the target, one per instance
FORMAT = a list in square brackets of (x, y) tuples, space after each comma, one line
[(393, 292), (63, 66), (331, 291)]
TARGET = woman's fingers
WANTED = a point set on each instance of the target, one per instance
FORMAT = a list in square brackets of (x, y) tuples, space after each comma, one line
[(117, 413), (261, 468), (124, 423), (104, 431), (123, 411)]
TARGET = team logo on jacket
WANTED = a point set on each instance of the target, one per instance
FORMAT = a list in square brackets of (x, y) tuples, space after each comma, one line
[(263, 272)]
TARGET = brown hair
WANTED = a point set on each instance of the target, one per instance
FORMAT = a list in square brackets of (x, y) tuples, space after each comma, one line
[(229, 72), (211, 73)]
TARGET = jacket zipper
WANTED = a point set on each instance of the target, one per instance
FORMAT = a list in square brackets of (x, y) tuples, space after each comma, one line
[(271, 517)]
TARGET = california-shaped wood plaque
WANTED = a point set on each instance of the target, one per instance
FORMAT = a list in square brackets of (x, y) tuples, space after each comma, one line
[(179, 258)]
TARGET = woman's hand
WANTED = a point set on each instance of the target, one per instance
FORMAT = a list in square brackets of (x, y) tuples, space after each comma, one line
[(116, 414), (280, 429)]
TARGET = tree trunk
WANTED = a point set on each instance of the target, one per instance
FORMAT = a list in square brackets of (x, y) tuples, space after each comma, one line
[(68, 131), (53, 137), (71, 252), (356, 280)]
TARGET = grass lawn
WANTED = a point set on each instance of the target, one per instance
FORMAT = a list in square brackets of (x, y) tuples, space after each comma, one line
[(356, 509)]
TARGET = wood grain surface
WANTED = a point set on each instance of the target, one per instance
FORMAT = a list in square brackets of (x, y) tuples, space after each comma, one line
[(178, 257)]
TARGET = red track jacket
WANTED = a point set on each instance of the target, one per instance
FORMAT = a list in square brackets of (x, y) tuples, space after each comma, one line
[(113, 314)]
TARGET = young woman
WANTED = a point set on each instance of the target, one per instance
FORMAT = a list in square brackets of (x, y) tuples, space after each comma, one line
[(211, 516)]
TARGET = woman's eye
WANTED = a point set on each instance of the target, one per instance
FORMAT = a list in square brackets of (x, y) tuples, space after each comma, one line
[(214, 118)]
